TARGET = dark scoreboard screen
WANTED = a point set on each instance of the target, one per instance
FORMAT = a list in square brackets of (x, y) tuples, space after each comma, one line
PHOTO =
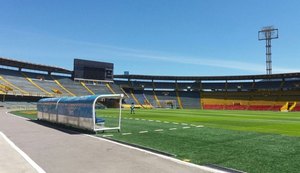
[(86, 69)]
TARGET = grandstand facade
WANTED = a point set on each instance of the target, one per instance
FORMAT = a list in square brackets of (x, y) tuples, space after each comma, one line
[(251, 92), (28, 82)]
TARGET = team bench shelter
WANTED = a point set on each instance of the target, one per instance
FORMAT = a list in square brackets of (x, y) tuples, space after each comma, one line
[(78, 112)]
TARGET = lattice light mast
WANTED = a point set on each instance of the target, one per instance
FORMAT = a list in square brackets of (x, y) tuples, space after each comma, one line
[(268, 33)]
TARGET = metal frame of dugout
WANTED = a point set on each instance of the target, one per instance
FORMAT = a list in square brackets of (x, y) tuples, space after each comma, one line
[(77, 112)]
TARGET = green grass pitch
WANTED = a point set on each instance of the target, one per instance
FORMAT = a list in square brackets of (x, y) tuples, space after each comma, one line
[(250, 141)]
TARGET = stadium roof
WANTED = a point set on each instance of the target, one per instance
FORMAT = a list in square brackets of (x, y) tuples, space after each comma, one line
[(32, 66), (200, 78)]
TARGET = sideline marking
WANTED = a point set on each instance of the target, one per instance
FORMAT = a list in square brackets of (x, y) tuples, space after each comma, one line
[(166, 122), (203, 168), (107, 135), (159, 130), (24, 155), (173, 129), (126, 133), (143, 132)]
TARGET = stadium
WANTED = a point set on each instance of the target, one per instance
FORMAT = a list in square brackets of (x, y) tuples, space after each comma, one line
[(28, 82), (213, 117), (149, 86)]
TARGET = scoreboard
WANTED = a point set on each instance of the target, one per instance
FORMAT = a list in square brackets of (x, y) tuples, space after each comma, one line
[(94, 70)]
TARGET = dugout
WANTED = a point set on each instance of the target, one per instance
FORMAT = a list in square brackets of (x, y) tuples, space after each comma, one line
[(79, 112)]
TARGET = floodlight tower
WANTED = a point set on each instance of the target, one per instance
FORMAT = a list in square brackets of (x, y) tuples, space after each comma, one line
[(268, 33)]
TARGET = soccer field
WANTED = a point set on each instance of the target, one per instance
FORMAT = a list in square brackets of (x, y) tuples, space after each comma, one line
[(249, 141)]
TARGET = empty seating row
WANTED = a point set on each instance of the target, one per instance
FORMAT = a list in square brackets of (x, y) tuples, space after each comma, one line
[(13, 82)]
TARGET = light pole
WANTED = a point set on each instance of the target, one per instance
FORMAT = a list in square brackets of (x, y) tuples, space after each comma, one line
[(268, 33)]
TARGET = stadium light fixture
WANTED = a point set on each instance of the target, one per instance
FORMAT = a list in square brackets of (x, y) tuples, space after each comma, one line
[(268, 33)]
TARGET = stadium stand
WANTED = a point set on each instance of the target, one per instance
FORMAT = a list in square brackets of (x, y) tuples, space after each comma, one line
[(28, 82), (74, 86), (252, 92), (18, 105), (167, 95), (87, 88), (152, 98), (190, 99), (23, 83)]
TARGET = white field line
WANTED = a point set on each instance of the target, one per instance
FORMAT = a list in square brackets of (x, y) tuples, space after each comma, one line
[(126, 133), (166, 122), (143, 132), (24, 155), (201, 168), (186, 127), (159, 130), (107, 135)]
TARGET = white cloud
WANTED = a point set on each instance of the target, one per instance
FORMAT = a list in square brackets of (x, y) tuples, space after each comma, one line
[(158, 56), (122, 52)]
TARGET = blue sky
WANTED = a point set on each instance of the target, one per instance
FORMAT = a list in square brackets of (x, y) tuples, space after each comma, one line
[(158, 37)]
